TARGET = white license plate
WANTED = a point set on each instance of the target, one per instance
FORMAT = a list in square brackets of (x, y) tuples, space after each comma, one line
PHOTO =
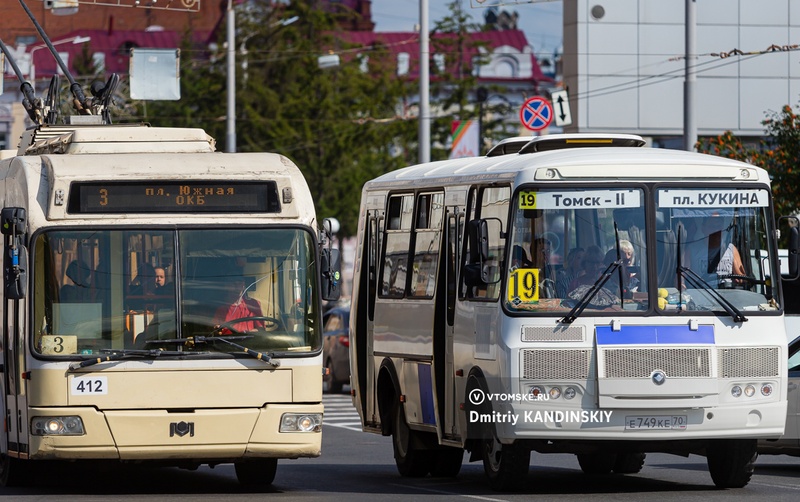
[(655, 422)]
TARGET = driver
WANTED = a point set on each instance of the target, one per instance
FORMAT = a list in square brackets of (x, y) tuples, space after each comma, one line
[(241, 306)]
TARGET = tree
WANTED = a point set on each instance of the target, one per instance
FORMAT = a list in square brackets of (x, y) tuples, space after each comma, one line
[(779, 154)]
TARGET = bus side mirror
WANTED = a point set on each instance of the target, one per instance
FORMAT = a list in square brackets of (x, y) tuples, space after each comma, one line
[(13, 221), (477, 272), (331, 274), (794, 249)]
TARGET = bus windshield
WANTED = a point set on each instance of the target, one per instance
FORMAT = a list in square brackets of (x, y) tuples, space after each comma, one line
[(562, 242), (99, 290), (713, 246)]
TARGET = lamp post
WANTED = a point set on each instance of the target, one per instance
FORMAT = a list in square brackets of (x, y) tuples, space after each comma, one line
[(74, 40)]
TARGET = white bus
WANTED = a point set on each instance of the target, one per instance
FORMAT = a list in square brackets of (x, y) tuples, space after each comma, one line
[(569, 294), (162, 302)]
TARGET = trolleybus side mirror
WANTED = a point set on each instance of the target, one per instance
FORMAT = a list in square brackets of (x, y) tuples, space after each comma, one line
[(331, 274), (13, 224)]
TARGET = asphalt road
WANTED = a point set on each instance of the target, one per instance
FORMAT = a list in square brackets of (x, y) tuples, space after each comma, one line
[(357, 466)]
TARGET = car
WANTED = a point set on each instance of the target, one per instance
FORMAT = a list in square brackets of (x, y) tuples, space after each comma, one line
[(336, 349), (789, 443)]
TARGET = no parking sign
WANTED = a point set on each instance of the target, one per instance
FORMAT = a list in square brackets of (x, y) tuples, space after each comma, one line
[(536, 113)]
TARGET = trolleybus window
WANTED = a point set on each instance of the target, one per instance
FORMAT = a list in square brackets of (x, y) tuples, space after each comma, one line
[(96, 289), (564, 240)]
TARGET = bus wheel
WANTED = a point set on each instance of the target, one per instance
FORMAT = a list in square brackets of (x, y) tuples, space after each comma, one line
[(731, 462), (596, 464), (411, 461), (257, 472), (629, 463), (332, 386), (12, 471), (506, 465), (447, 463)]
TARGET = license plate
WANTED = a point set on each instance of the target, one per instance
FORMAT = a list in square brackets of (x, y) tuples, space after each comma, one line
[(655, 422)]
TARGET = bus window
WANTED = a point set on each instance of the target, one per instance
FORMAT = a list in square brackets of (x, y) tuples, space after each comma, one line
[(398, 240)]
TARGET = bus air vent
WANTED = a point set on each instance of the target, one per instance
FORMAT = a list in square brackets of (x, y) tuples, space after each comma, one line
[(748, 362), (552, 364), (641, 363), (550, 334)]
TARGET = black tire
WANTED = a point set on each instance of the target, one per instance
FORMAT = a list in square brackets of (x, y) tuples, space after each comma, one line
[(447, 463), (597, 464), (731, 462), (505, 465), (257, 472), (14, 472), (332, 386), (411, 461), (629, 463)]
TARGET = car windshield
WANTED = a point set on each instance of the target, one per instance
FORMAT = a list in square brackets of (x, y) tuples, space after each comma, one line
[(563, 241), (98, 290), (713, 249)]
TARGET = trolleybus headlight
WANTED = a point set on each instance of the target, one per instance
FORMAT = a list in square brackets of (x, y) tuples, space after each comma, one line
[(736, 391), (57, 426), (555, 393), (301, 422), (766, 389), (569, 393), (749, 391)]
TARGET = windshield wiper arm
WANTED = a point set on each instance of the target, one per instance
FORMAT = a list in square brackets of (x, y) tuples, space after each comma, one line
[(197, 340), (699, 282), (117, 354), (587, 297)]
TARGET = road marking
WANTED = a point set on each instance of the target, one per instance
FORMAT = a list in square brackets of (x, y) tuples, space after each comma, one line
[(443, 492)]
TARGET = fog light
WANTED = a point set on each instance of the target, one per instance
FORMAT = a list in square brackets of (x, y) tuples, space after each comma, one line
[(736, 391), (536, 391), (766, 389), (301, 422), (749, 391), (569, 393), (57, 426), (555, 393)]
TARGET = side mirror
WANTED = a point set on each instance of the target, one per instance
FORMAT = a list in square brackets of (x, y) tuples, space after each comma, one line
[(331, 274), (13, 221), (792, 245), (478, 241)]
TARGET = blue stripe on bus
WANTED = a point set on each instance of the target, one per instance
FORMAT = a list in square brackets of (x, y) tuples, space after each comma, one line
[(426, 393), (640, 335)]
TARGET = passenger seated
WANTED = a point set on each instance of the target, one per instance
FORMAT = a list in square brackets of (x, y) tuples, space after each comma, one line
[(79, 291)]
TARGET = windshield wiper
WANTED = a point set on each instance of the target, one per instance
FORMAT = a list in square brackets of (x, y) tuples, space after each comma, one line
[(198, 340), (591, 293), (701, 284), (117, 354)]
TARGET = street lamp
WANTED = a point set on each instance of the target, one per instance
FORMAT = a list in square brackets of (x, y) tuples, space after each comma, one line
[(74, 40)]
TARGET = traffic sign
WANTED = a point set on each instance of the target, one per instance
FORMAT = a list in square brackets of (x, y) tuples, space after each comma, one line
[(563, 117), (536, 113)]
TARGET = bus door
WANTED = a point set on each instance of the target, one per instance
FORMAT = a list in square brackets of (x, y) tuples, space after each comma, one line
[(365, 363), (443, 334), (15, 266)]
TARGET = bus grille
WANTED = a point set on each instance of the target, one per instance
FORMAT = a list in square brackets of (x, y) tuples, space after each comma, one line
[(748, 362), (556, 364), (549, 334), (640, 363)]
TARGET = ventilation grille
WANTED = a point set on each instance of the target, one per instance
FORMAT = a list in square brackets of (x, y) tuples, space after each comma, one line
[(640, 363), (555, 364), (545, 334), (749, 362)]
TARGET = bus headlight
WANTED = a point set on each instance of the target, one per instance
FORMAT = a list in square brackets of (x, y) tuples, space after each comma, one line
[(537, 392), (766, 389), (569, 393), (301, 422), (57, 426), (555, 393), (736, 391), (749, 391)]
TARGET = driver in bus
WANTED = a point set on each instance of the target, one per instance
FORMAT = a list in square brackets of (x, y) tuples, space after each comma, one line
[(241, 307)]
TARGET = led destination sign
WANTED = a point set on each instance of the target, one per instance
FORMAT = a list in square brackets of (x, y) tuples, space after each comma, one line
[(174, 197)]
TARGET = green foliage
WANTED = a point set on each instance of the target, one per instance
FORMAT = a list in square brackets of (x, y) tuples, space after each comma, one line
[(779, 154)]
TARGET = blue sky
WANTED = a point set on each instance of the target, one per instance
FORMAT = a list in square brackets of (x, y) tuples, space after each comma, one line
[(541, 21)]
